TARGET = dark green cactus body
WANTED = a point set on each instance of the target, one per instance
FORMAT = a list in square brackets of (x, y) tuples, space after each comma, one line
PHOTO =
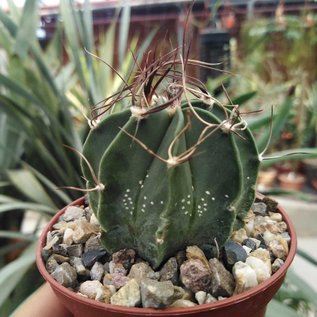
[(156, 209)]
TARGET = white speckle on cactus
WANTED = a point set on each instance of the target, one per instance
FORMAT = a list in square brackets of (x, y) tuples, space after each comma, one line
[(128, 190), (162, 202), (183, 207), (205, 209), (226, 195), (199, 207), (142, 186), (126, 195), (152, 203), (129, 198), (202, 199), (142, 210), (248, 177), (183, 200), (188, 196), (160, 240), (147, 176), (144, 205), (213, 198), (186, 212), (207, 192), (141, 182), (188, 202), (205, 204), (131, 213), (145, 198)]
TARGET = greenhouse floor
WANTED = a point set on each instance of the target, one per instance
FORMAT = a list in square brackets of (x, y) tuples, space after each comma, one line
[(304, 217)]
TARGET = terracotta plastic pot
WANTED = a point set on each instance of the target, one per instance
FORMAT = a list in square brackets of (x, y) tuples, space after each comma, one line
[(250, 303), (292, 181)]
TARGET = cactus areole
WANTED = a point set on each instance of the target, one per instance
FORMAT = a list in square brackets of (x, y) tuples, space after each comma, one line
[(177, 168)]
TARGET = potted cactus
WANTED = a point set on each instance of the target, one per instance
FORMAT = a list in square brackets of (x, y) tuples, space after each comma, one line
[(177, 168)]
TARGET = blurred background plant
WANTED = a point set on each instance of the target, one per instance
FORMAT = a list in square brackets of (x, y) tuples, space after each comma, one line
[(46, 93)]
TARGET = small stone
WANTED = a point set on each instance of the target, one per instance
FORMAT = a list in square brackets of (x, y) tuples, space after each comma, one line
[(51, 264), (61, 226), (260, 238), (263, 255), (239, 235), (72, 213), (279, 248), (78, 265), (268, 237), (83, 231), (195, 275), (118, 280), (156, 294), (75, 250), (200, 297), (51, 242), (193, 252), (97, 271), (222, 281), (95, 290), (92, 256), (272, 205), (117, 268), (54, 260), (263, 272), (210, 299), (259, 208), (282, 226), (181, 293), (276, 216), (233, 252), (65, 274), (140, 271), (286, 237), (247, 249), (245, 277), (68, 236), (126, 257), (129, 295), (277, 264), (60, 249), (169, 271), (262, 224), (107, 279), (46, 254), (183, 303), (251, 243), (93, 242)]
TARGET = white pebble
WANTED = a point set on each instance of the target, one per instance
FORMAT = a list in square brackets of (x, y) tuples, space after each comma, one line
[(245, 277)]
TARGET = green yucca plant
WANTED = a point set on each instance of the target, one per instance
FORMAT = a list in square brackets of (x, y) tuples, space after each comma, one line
[(41, 105)]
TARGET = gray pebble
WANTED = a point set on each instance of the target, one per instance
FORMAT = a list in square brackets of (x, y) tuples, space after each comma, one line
[(156, 294), (65, 274)]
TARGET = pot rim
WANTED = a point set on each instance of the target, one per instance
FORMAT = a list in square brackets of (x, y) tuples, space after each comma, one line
[(168, 311)]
